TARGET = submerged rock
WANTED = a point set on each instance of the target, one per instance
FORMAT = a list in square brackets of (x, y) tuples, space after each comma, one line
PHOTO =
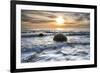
[(60, 38)]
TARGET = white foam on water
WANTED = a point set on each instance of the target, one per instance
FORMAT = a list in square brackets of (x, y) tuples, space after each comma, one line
[(48, 50)]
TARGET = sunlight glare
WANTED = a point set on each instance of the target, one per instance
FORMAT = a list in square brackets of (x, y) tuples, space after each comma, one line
[(60, 20)]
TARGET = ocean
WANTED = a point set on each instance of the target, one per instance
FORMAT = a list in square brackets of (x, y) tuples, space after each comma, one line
[(35, 48)]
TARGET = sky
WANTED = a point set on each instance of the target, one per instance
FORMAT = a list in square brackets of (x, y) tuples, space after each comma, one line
[(54, 20)]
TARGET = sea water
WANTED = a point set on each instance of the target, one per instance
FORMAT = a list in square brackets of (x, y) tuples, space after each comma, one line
[(36, 48)]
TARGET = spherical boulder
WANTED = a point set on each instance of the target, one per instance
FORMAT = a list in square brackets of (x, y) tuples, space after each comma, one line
[(40, 34), (60, 38)]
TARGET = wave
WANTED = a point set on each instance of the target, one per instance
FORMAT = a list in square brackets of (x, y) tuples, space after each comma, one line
[(42, 49), (36, 34)]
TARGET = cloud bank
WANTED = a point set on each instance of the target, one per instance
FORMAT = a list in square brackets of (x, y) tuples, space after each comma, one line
[(33, 19)]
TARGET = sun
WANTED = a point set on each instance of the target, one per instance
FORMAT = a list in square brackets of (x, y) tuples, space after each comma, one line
[(60, 20)]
